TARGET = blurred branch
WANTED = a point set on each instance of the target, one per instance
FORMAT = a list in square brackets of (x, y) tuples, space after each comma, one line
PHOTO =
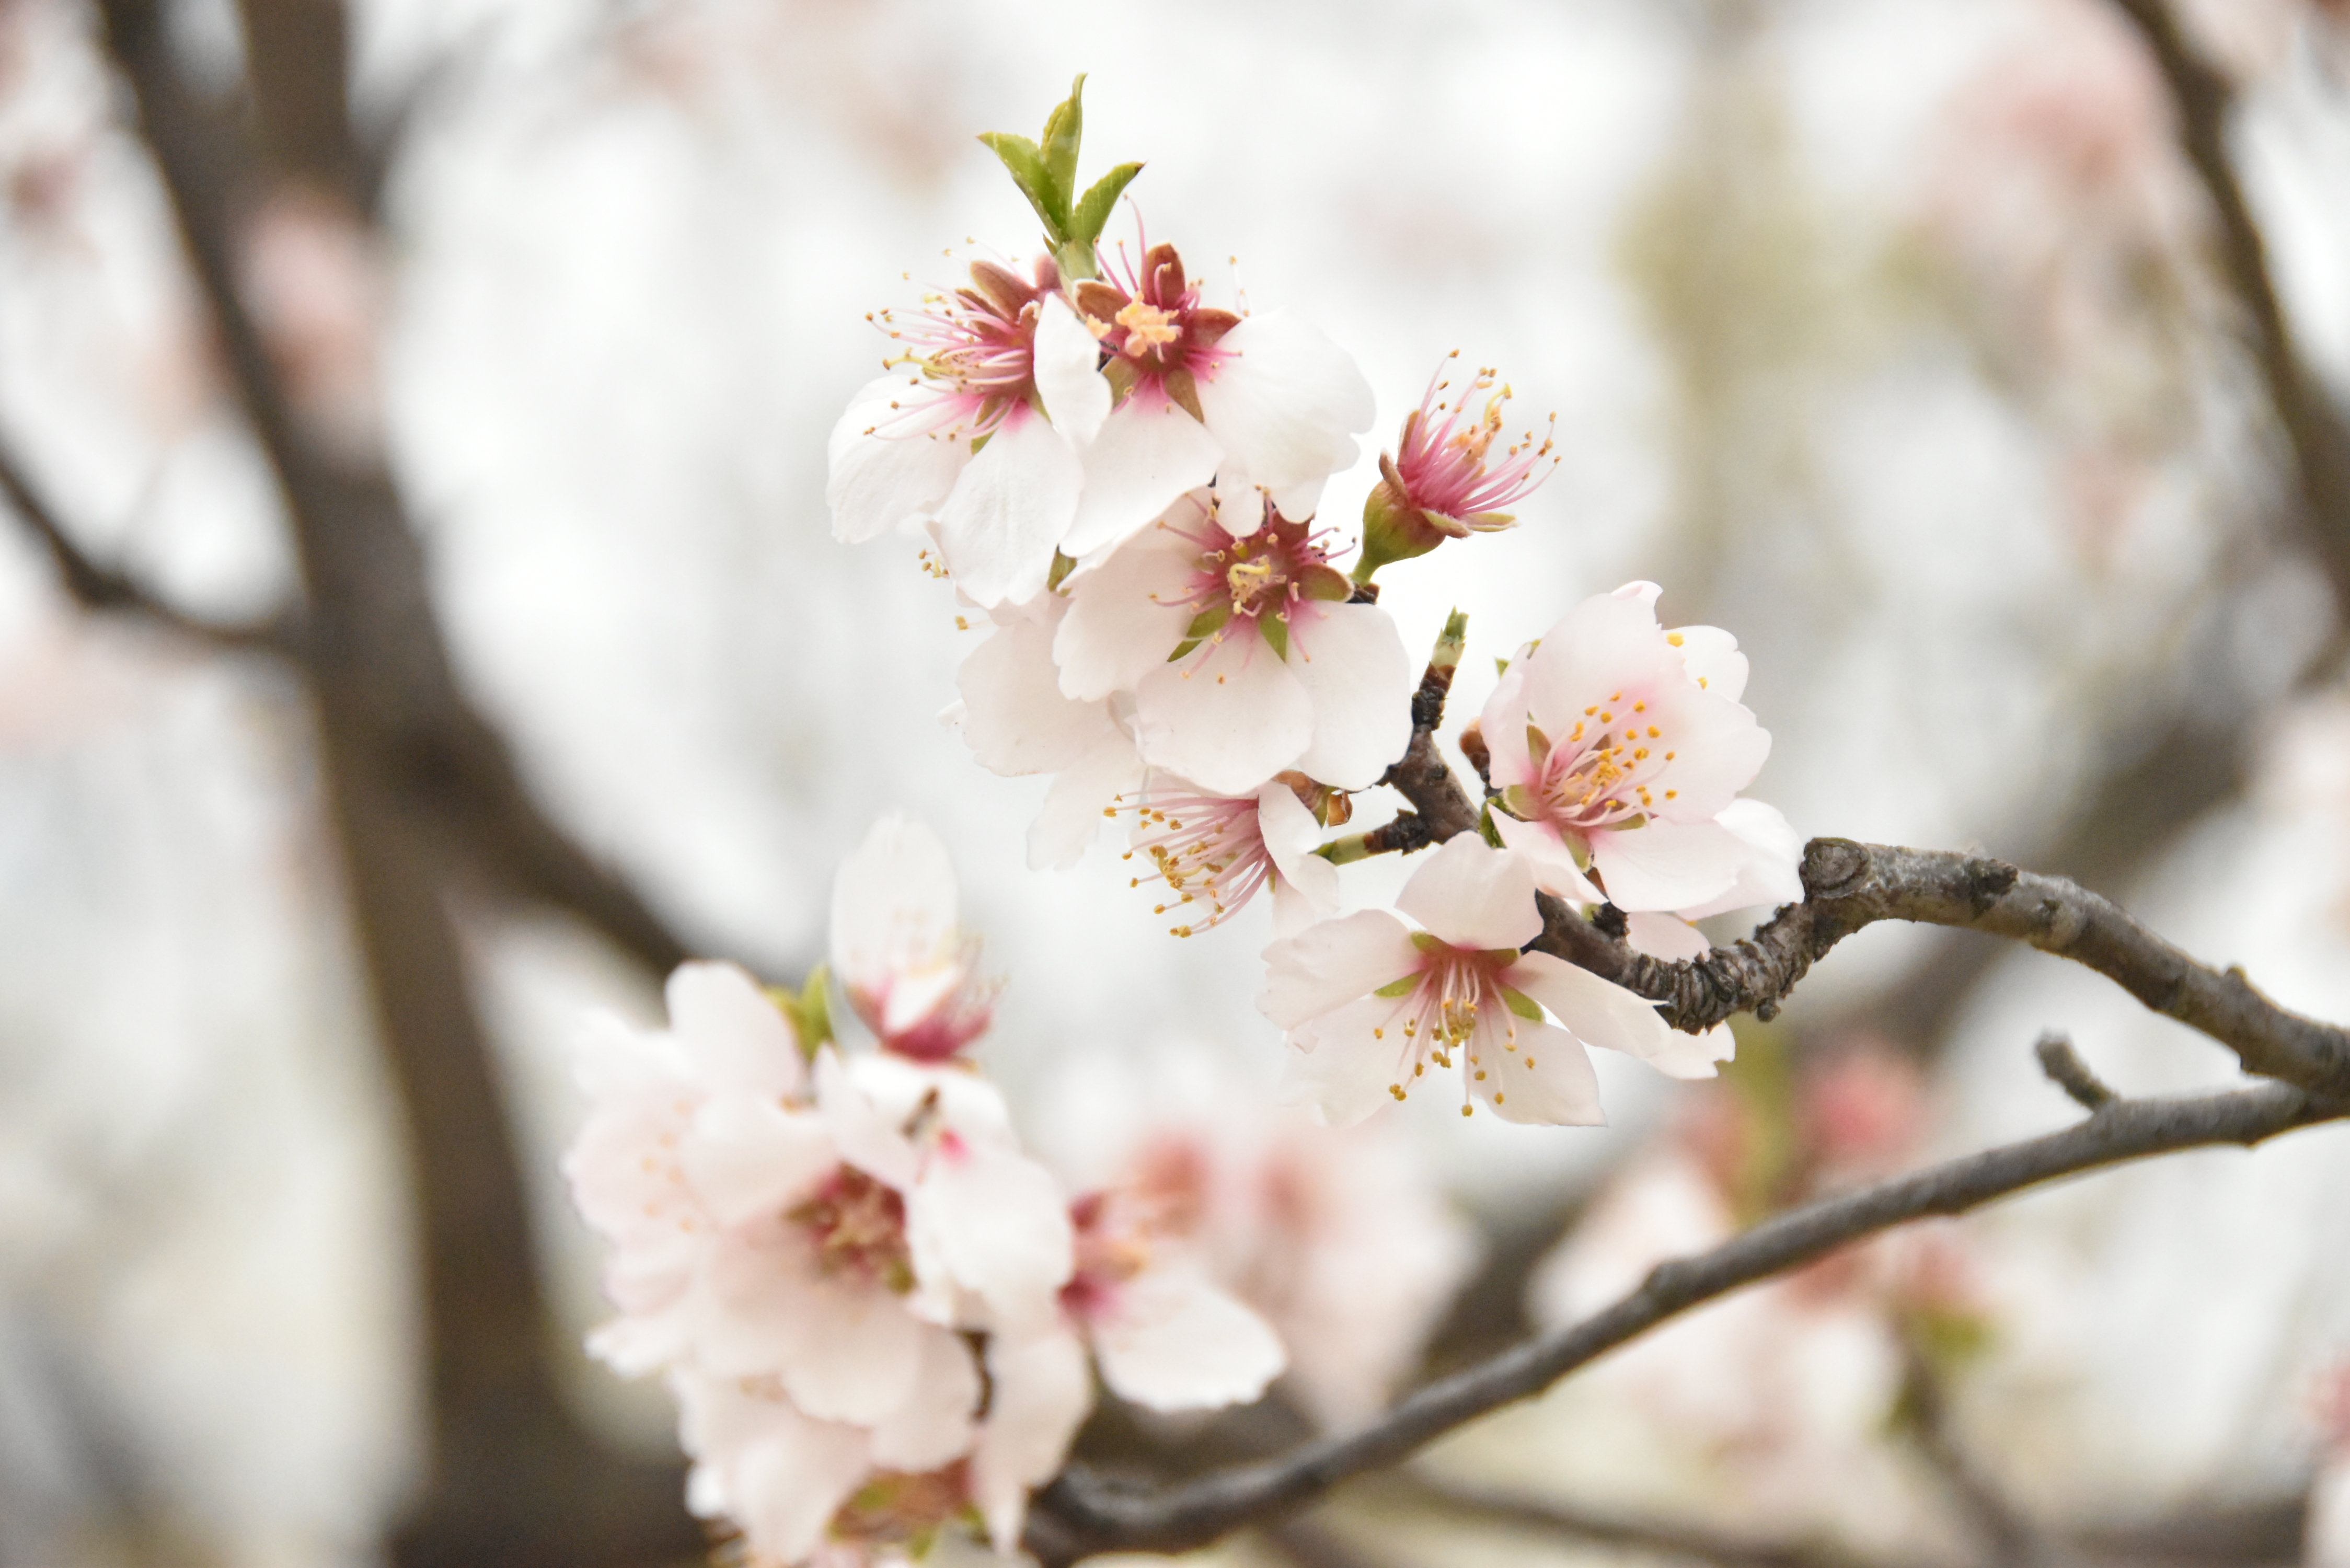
[(1311, 1545), (1660, 1536), (2315, 428), (102, 588), (417, 784), (2008, 1537), (1081, 1514)]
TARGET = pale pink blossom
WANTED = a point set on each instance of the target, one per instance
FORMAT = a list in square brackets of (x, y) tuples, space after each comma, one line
[(1619, 749), (1443, 481), (1204, 393), (1211, 854), (1240, 650), (1165, 1335), (1370, 1003), (978, 433), (907, 966), (1016, 720)]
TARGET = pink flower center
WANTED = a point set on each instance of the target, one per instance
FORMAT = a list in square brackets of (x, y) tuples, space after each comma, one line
[(1151, 321), (860, 1228), (1203, 846), (1457, 1001), (1607, 771), (1259, 578), (1112, 1246), (979, 342)]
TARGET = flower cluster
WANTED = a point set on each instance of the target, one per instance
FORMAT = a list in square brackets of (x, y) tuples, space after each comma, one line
[(874, 1308), (1128, 480)]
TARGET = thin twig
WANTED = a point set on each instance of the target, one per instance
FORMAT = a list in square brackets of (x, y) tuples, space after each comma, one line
[(2008, 1536), (1081, 1514), (2069, 1073), (100, 588)]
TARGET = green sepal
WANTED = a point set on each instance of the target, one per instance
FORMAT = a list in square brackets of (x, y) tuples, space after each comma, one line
[(1207, 622), (1063, 128), (1485, 828), (1325, 583), (1027, 163), (1394, 988), (809, 1012), (1501, 667), (1429, 942), (1524, 1006), (1061, 566), (1093, 207), (1275, 629)]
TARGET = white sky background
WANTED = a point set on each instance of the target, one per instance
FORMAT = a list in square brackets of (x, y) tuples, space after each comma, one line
[(634, 248)]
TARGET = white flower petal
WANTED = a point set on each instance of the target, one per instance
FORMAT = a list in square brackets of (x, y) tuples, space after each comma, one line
[(886, 468), (746, 1156), (868, 1134), (934, 1425), (1340, 1065), (1066, 368), (1665, 936), (1601, 1012), (1149, 454), (1504, 724), (1305, 881), (1546, 1082), (996, 1224), (1667, 865), (735, 1037), (1041, 1394), (1352, 663), (778, 1474), (1472, 895), (1555, 872), (893, 904), (1127, 615), (1283, 400), (1169, 1340), (1329, 965), (1016, 720), (1712, 655), (1773, 869), (1072, 812), (1228, 717), (1009, 508)]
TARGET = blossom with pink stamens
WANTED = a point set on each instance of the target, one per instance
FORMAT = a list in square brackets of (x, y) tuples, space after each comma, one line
[(1258, 401), (1443, 481), (1370, 1003), (1619, 749), (1240, 649), (976, 431), (1215, 852)]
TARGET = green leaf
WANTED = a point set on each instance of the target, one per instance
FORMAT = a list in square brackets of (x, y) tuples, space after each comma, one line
[(1020, 156), (1094, 207), (1063, 130)]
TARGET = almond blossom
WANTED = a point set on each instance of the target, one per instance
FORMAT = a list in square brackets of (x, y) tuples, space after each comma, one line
[(1442, 482), (1370, 1003), (1232, 632), (1203, 392), (1215, 852), (1619, 749), (907, 967), (978, 435), (1166, 1336)]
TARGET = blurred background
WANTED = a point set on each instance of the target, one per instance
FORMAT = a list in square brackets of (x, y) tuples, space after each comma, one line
[(419, 623)]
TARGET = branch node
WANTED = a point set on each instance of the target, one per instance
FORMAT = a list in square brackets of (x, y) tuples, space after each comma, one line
[(2069, 1073)]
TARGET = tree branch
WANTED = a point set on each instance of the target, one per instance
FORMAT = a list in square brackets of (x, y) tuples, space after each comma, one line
[(2317, 432), (2069, 1073), (1850, 886), (99, 588), (1081, 1514)]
